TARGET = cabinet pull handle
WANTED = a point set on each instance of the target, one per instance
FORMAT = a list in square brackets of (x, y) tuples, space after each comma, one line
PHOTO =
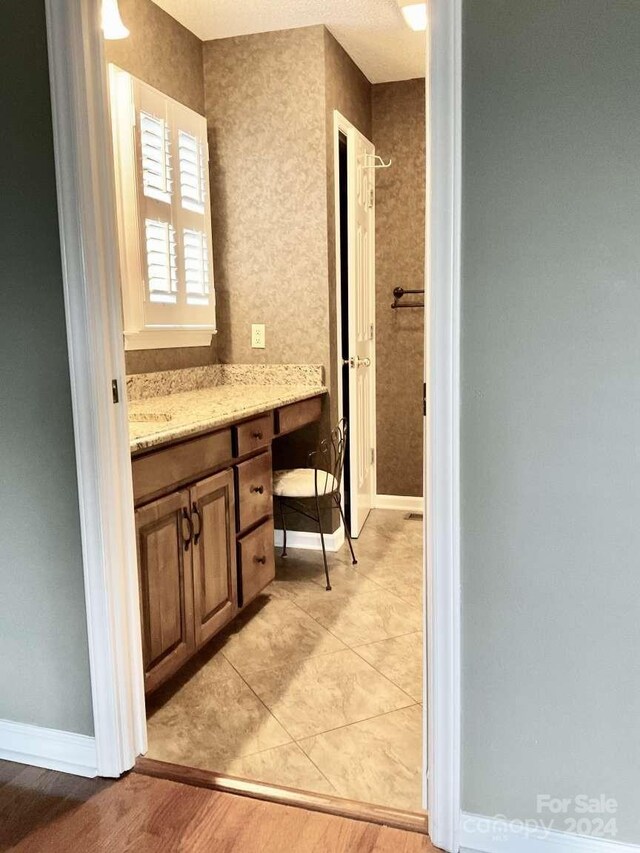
[(262, 560), (258, 489), (257, 434), (187, 540), (195, 511)]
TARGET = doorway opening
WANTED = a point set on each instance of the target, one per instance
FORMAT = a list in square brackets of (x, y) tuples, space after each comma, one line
[(288, 639), (259, 664), (84, 176)]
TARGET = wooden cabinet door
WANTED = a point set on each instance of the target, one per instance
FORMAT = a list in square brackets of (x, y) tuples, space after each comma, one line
[(214, 558), (166, 586)]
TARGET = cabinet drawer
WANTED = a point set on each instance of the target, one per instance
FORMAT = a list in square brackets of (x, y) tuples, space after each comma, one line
[(256, 561), (156, 472), (254, 434), (298, 415), (254, 500)]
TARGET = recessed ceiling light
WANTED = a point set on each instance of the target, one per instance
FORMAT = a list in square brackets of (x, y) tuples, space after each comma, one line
[(112, 26), (415, 14)]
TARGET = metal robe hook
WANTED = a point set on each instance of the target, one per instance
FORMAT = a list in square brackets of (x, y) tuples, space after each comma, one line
[(378, 164)]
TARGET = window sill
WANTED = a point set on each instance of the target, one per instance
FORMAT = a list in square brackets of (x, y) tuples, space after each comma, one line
[(167, 339)]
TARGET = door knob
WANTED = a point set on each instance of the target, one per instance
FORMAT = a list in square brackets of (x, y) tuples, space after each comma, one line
[(363, 362)]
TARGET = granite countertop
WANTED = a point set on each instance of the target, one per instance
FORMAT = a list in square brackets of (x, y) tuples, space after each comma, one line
[(210, 399)]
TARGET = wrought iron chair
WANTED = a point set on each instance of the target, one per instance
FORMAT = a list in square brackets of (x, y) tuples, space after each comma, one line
[(320, 481)]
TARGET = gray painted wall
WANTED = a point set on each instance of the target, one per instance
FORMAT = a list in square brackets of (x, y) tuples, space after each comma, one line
[(551, 404), (44, 668)]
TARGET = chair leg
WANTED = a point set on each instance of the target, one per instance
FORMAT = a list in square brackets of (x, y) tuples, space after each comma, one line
[(324, 552), (354, 562), (284, 530)]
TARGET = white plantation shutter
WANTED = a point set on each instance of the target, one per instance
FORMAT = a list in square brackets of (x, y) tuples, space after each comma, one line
[(164, 217)]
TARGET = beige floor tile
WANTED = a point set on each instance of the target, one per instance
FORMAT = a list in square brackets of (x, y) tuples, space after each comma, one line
[(345, 581), (390, 551), (300, 572), (400, 659), (322, 693), (285, 765), (354, 711), (376, 761), (279, 633), (360, 619), (211, 719), (402, 579)]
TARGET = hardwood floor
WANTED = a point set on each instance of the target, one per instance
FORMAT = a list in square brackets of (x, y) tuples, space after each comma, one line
[(41, 810)]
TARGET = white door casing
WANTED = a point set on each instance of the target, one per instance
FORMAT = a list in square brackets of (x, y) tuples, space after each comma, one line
[(87, 222), (361, 330)]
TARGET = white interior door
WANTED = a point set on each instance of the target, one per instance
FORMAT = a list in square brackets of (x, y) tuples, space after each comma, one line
[(361, 303)]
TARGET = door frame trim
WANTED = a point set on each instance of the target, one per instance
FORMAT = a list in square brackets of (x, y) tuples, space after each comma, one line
[(84, 171), (343, 125), (442, 421), (91, 285)]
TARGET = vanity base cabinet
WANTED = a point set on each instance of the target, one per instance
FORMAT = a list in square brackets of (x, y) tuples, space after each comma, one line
[(187, 573), (214, 555), (166, 586), (204, 522)]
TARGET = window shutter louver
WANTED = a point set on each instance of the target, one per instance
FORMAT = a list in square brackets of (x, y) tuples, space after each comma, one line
[(196, 263), (192, 172), (155, 146), (162, 275)]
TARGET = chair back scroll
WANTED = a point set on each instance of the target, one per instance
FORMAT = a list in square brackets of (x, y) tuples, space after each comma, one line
[(328, 459)]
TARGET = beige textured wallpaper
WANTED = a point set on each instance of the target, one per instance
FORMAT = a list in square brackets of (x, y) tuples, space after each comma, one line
[(269, 101), (399, 133), (265, 108), (347, 88), (161, 52), (264, 102), (168, 57)]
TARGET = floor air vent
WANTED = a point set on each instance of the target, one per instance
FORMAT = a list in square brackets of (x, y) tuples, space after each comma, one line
[(413, 516)]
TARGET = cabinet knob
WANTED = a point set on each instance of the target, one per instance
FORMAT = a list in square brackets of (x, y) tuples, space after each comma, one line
[(257, 435), (262, 560), (258, 489)]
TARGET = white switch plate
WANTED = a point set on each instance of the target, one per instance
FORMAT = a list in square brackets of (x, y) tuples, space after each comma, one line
[(257, 336)]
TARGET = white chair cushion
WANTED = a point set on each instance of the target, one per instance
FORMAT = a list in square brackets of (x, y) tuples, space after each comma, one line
[(301, 483)]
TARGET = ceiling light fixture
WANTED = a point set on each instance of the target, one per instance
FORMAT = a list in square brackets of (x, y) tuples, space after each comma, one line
[(415, 15), (112, 26)]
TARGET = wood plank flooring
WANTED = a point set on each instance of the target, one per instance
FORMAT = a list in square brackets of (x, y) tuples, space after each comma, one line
[(41, 810)]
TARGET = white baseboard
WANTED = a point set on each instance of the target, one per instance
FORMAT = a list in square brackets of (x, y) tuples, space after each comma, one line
[(498, 835), (311, 541), (405, 503), (49, 748)]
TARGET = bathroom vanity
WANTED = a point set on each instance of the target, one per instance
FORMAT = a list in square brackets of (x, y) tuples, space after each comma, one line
[(202, 475)]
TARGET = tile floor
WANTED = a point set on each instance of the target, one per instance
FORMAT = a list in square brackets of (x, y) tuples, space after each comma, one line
[(313, 689)]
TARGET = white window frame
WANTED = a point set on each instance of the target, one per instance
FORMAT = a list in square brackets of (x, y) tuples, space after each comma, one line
[(145, 323)]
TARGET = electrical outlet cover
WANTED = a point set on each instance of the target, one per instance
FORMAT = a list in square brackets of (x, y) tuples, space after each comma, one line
[(257, 336)]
